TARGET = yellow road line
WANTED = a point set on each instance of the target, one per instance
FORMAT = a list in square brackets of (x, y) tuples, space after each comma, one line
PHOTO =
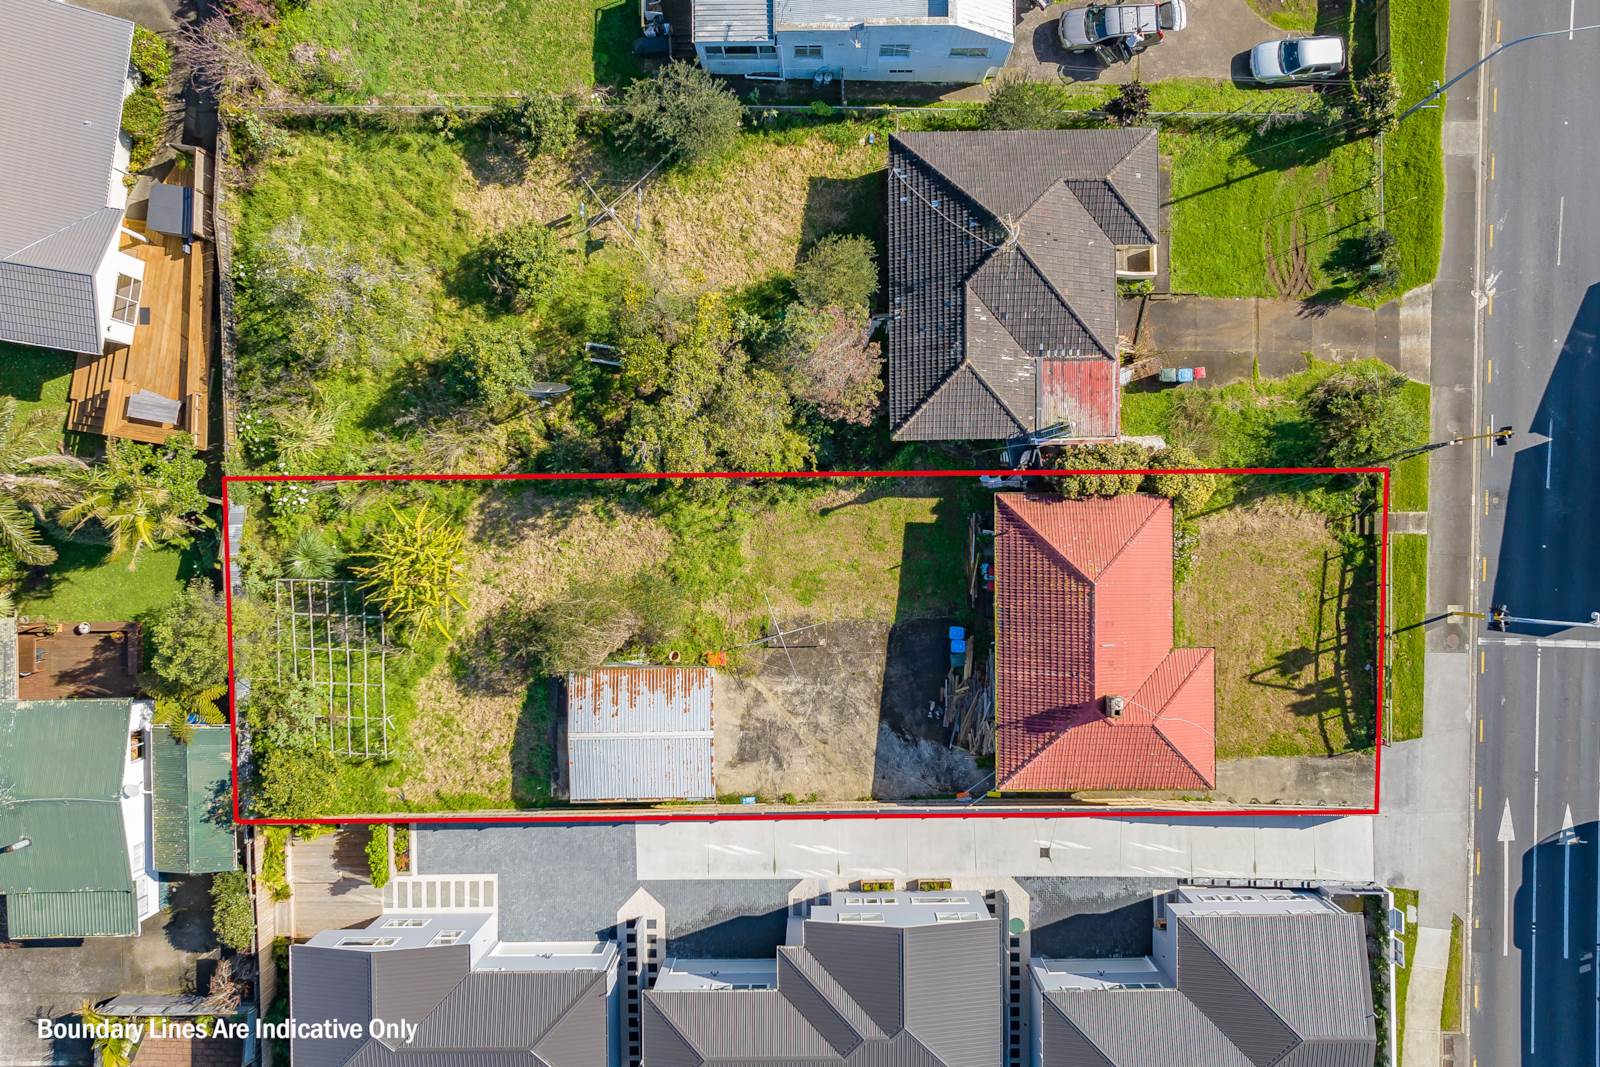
[(1491, 303), (1491, 370), (1478, 867), (1480, 796), (1486, 501), (1485, 569), (1495, 99), (1496, 31), (1491, 166), (1491, 235), (1480, 731), (1474, 1007), (1483, 662)]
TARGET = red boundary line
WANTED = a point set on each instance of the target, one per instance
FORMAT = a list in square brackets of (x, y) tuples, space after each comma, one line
[(658, 815)]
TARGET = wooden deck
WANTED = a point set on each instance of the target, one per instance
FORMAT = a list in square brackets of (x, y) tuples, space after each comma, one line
[(170, 354), (65, 665)]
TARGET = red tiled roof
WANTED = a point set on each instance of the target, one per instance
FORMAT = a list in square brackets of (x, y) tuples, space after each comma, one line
[(1083, 611)]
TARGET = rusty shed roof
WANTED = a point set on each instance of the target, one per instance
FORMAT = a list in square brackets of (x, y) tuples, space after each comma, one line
[(640, 733)]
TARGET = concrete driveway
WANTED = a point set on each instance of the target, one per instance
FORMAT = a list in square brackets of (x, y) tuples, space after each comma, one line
[(1212, 45), (158, 15)]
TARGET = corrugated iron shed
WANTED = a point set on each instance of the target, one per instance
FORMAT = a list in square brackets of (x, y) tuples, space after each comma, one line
[(641, 733), (190, 782)]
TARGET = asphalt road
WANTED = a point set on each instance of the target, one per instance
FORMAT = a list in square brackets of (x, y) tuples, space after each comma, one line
[(1535, 986)]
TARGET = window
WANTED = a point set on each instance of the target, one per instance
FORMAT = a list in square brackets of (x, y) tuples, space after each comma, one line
[(955, 916), (713, 49), (886, 51), (446, 937), (860, 917), (125, 306), (745, 50), (136, 746), (808, 51), (405, 924), (367, 942), (972, 53), (938, 900)]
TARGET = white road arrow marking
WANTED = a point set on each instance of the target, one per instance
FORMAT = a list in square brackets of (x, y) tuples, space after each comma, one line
[(1569, 837), (1505, 837)]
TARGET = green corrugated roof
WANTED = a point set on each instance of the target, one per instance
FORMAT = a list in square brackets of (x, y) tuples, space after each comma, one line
[(193, 802), (61, 764)]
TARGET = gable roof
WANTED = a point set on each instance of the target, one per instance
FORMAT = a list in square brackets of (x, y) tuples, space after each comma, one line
[(641, 733), (1083, 612), (885, 996), (61, 766), (1132, 1028), (543, 1018), (192, 802), (1011, 233), (68, 67)]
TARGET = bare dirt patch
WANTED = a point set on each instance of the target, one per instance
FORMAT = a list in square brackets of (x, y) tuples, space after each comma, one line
[(819, 723), (1266, 590), (527, 550)]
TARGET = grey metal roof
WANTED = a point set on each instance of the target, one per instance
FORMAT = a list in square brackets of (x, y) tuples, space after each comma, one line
[(9, 681), (1132, 1028), (641, 733), (547, 1018), (861, 995), (63, 70), (992, 17), (732, 20), (1002, 254)]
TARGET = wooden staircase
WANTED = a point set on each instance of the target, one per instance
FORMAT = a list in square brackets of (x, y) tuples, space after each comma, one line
[(96, 387)]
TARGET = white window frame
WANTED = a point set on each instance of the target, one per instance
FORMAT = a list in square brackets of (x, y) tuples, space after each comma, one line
[(808, 51), (368, 942), (861, 916), (404, 924), (125, 300), (969, 53), (894, 51), (447, 937)]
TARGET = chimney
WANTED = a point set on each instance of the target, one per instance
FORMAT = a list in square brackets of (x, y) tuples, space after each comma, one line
[(1114, 707)]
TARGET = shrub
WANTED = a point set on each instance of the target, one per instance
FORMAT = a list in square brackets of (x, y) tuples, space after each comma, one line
[(1109, 456), (232, 917), (682, 112), (837, 364), (545, 122), (143, 119), (402, 849), (313, 555), (840, 270), (522, 262), (581, 630), (274, 862), (1130, 106), (490, 361), (1018, 102), (1361, 415), (294, 773), (1374, 246), (1376, 99), (188, 640), (1188, 492), (151, 57), (415, 570), (378, 855)]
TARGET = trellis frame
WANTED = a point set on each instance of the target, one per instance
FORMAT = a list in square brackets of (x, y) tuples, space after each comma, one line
[(321, 608)]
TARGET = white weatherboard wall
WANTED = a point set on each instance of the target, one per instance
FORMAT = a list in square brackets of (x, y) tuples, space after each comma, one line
[(138, 818), (1319, 850)]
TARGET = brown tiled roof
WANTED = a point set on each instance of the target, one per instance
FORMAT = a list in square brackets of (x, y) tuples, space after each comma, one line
[(1083, 611), (1002, 260)]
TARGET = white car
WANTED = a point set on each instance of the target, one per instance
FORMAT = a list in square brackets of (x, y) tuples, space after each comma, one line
[(1299, 59)]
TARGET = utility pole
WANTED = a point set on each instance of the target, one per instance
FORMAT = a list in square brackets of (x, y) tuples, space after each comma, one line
[(1500, 437), (1440, 90), (1499, 617)]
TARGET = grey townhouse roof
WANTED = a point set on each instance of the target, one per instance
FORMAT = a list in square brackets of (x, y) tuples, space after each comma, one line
[(539, 1018), (1252, 991), (62, 73), (856, 995), (1002, 277), (756, 20)]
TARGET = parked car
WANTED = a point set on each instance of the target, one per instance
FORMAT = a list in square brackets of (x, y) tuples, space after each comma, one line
[(1113, 27), (1299, 59)]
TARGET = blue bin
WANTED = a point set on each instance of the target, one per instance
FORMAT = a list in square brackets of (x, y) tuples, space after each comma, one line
[(957, 633)]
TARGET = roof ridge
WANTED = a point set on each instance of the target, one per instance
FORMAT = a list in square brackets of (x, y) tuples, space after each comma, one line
[(1057, 293), (1205, 943), (1111, 185), (1104, 1055), (9, 257), (1137, 530), (964, 365), (555, 1023), (670, 1024), (1155, 719)]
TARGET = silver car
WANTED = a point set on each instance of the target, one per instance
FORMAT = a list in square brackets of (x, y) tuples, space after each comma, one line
[(1300, 59), (1086, 28)]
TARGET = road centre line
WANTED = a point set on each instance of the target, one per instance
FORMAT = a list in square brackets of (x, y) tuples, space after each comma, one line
[(1538, 642), (1561, 222)]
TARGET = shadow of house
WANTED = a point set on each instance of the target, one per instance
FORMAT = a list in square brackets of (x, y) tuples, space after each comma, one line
[(1123, 930)]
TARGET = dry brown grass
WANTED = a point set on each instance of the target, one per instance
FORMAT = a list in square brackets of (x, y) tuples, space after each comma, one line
[(732, 225), (527, 550), (1255, 595)]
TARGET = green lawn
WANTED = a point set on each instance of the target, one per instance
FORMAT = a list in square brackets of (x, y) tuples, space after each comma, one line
[(1414, 153), (38, 377), (83, 585), (1408, 566), (1238, 196), (1408, 491), (1403, 898), (429, 50), (1296, 16), (1450, 1011)]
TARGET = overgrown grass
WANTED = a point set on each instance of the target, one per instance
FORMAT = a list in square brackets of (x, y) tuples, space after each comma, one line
[(1414, 152), (1240, 197), (426, 50), (1450, 1010), (1408, 567), (1404, 899), (1408, 490), (84, 584)]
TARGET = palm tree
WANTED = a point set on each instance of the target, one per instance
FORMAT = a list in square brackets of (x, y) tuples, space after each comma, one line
[(32, 477), (174, 709), (130, 500)]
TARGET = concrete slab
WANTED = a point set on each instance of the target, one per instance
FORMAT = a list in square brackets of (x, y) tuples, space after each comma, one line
[(742, 850), (1293, 853), (1013, 845), (1420, 1045), (1224, 852), (1344, 850), (1282, 326), (1078, 846), (1211, 46), (1155, 849), (878, 847)]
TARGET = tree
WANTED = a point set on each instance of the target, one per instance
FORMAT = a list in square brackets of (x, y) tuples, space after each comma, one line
[(1018, 102), (491, 361), (1361, 415), (1376, 99), (415, 570), (682, 112), (217, 57), (233, 917), (1130, 106), (32, 477), (293, 775), (175, 710), (150, 56), (1188, 492), (523, 261), (188, 641), (837, 366), (1112, 455), (545, 122), (839, 270), (312, 555), (141, 496)]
